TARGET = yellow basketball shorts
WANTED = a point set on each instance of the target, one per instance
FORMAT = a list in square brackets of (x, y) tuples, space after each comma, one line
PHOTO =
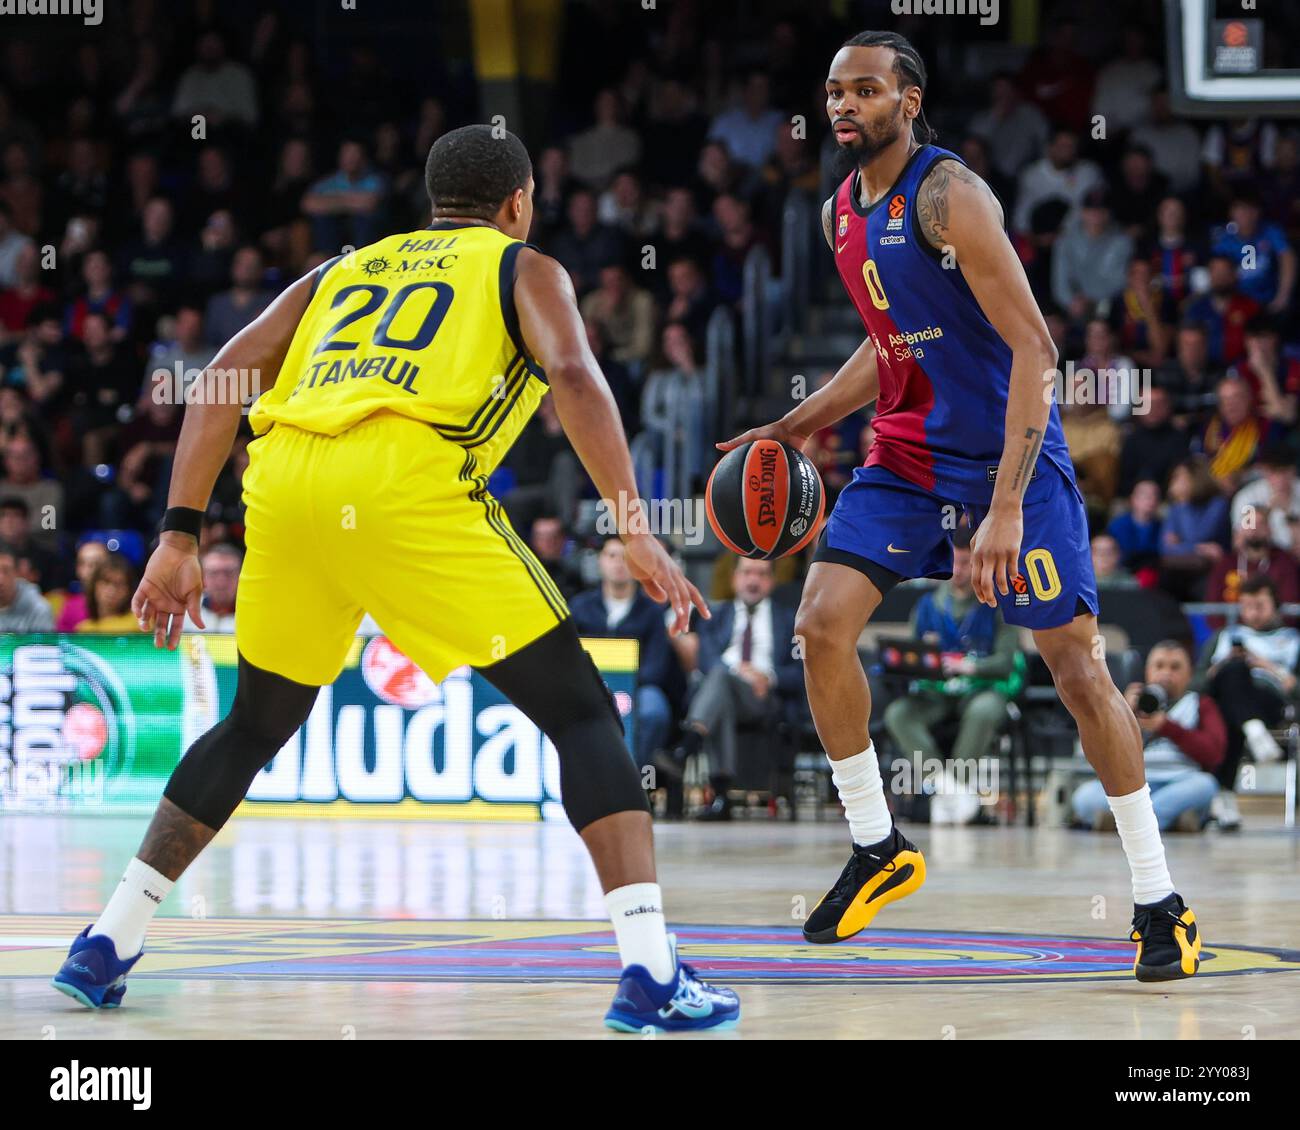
[(387, 518)]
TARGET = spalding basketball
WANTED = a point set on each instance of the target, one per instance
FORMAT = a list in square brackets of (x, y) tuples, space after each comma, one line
[(765, 500)]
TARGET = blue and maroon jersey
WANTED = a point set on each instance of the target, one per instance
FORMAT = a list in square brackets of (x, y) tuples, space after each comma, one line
[(944, 371)]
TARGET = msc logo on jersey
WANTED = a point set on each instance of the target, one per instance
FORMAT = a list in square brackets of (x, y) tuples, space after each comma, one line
[(376, 266)]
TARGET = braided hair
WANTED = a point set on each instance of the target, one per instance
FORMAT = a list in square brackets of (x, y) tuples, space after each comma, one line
[(908, 67)]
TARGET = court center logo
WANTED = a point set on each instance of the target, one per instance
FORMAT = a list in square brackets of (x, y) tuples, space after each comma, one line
[(513, 951)]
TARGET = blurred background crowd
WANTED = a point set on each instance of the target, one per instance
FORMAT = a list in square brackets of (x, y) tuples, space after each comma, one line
[(134, 243)]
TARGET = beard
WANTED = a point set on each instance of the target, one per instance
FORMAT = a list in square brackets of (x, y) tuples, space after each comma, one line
[(873, 140)]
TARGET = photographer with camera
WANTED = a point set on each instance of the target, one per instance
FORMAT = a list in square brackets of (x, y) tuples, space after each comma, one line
[(1183, 742), (1250, 669)]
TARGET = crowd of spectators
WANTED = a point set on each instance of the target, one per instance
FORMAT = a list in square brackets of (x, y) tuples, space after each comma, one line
[(135, 242)]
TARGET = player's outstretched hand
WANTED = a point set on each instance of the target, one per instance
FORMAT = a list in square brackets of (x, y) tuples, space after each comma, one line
[(995, 551), (663, 581), (778, 431), (171, 586)]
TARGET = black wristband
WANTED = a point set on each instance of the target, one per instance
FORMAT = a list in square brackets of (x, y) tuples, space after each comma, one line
[(184, 520)]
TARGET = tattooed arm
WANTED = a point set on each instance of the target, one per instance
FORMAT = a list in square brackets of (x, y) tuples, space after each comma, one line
[(828, 222), (959, 214)]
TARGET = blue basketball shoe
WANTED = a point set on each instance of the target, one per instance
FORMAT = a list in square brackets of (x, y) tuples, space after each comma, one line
[(684, 1004), (93, 973)]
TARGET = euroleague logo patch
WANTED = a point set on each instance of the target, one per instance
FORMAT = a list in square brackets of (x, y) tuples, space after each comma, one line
[(897, 206), (1020, 587)]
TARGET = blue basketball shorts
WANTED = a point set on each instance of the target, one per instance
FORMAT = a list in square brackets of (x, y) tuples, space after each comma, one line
[(893, 530)]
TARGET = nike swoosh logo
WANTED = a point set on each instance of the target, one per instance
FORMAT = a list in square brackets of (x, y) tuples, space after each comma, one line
[(840, 249), (891, 549), (898, 877)]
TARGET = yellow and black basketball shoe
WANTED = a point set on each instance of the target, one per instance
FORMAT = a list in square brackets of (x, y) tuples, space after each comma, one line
[(878, 874), (1169, 941)]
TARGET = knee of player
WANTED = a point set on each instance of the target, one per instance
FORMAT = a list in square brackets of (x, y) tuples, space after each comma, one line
[(820, 631), (1081, 682)]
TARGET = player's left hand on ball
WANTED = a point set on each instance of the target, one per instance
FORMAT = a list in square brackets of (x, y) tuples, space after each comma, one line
[(171, 586), (995, 551), (663, 580)]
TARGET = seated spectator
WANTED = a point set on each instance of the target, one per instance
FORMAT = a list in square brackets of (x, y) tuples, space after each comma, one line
[(108, 597), (24, 478), (22, 608), (585, 246), (152, 267), (679, 234), (147, 443), (1224, 311), (624, 206), (598, 152), (178, 356), (690, 302), (748, 130), (1106, 567), (1274, 377), (1122, 94), (1058, 175), (1118, 381), (26, 295), (90, 554), (1253, 554), (1268, 272), (1136, 197), (1189, 377), (1090, 261), (982, 668), (1183, 744), (1272, 500), (1093, 439), (739, 237), (1173, 143), (221, 563), (1172, 254), (625, 314), (100, 297), (103, 382), (750, 675), (1144, 316), (219, 88), (1236, 432), (346, 207), (676, 413), (550, 543), (12, 244), (36, 562), (547, 473), (1137, 530), (619, 607), (1250, 669), (551, 191), (231, 310), (1015, 130), (209, 267), (1196, 527), (1155, 445)]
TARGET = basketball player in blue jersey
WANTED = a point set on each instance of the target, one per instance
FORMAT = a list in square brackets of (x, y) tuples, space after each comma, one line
[(961, 366)]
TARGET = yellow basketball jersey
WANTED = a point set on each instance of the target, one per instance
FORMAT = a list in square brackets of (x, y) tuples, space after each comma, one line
[(422, 324)]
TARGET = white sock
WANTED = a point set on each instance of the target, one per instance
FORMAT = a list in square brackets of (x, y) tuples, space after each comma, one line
[(637, 912), (862, 792), (1135, 821), (132, 907)]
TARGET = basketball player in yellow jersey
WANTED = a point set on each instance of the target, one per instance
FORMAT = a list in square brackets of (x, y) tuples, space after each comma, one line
[(405, 371)]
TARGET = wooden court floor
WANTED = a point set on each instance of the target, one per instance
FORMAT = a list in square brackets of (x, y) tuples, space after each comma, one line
[(336, 930)]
